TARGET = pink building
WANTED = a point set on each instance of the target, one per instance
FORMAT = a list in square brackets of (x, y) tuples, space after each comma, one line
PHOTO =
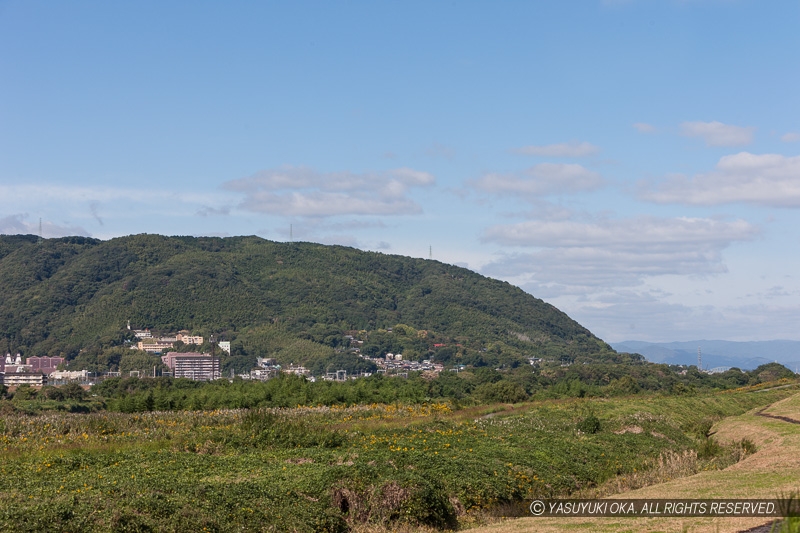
[(191, 365), (46, 365)]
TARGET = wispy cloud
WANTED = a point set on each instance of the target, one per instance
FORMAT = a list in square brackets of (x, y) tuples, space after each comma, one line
[(18, 224), (570, 149), (643, 127), (52, 191), (718, 134), (768, 179), (631, 314), (542, 179), (301, 191), (94, 208), (612, 253), (208, 211), (790, 137), (438, 150), (633, 234)]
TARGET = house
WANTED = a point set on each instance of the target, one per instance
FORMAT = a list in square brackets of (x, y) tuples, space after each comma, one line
[(153, 345), (187, 338), (298, 370), (65, 376), (263, 374)]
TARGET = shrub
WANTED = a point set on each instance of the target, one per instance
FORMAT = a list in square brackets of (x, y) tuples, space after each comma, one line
[(52, 393), (709, 448), (590, 424), (501, 391), (73, 391)]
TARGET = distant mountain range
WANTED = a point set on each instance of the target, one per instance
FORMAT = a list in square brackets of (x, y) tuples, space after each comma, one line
[(744, 355)]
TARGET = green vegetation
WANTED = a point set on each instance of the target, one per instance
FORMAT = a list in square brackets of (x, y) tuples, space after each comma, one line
[(133, 454), (292, 301), (333, 468), (478, 386)]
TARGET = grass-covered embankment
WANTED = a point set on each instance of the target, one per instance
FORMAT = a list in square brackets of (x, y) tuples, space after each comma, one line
[(316, 469)]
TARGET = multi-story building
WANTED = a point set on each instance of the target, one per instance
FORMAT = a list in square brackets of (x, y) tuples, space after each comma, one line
[(10, 361), (15, 379), (187, 338), (154, 345), (191, 365), (65, 376), (47, 365), (142, 333)]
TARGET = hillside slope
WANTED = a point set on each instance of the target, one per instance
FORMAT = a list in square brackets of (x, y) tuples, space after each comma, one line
[(62, 296)]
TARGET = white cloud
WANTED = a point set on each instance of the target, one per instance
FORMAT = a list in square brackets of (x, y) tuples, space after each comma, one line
[(23, 192), (634, 234), (542, 179), (299, 191), (643, 127), (790, 137), (28, 194), (341, 240), (630, 314), (208, 211), (18, 224), (571, 256), (718, 134), (570, 149), (769, 179)]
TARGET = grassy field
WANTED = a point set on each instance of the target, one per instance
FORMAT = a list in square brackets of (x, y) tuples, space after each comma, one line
[(379, 467), (772, 471)]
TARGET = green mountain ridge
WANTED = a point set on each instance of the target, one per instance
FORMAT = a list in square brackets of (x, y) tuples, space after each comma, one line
[(73, 296)]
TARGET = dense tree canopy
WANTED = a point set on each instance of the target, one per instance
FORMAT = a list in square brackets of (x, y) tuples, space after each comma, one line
[(292, 301)]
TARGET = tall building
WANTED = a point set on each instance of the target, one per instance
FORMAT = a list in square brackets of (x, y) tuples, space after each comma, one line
[(191, 365), (46, 365)]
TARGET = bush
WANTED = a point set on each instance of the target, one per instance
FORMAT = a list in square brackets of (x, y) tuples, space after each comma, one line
[(25, 392), (709, 448), (52, 393), (73, 391), (501, 391), (590, 425)]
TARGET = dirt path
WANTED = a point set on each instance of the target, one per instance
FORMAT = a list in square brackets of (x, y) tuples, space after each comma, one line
[(773, 470), (777, 417)]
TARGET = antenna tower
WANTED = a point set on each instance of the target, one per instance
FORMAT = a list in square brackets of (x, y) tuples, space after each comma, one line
[(699, 359), (430, 252), (40, 230)]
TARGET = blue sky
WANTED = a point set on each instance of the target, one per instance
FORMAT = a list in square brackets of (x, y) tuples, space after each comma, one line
[(635, 163)]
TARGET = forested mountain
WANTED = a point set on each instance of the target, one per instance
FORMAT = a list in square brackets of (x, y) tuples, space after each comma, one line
[(75, 295)]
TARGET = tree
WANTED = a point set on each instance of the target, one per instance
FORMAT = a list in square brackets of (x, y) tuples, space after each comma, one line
[(141, 361), (73, 391)]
